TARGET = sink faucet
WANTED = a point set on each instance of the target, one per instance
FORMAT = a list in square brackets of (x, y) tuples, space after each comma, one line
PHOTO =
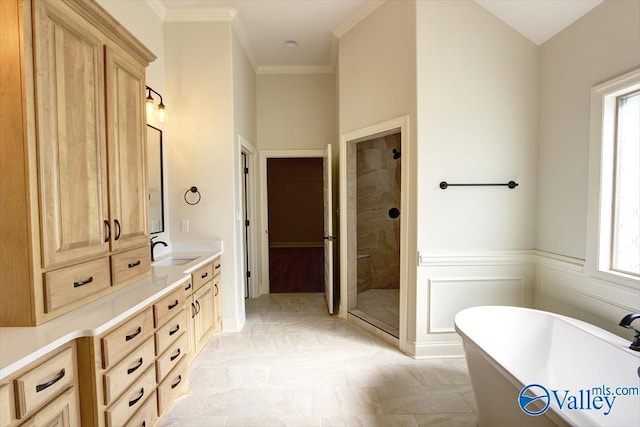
[(153, 245), (626, 323)]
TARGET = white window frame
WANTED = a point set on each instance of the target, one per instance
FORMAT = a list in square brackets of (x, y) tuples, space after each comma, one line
[(601, 178)]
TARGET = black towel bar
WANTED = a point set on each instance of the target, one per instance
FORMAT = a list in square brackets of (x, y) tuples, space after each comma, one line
[(511, 184)]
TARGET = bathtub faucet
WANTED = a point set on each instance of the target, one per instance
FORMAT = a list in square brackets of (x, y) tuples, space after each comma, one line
[(626, 323)]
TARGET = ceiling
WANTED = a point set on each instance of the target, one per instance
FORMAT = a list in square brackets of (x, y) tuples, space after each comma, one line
[(265, 25)]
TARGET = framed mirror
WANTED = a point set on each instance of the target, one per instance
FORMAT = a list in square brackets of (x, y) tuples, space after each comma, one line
[(156, 189)]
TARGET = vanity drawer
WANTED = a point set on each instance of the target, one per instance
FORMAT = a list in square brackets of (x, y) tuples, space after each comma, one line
[(129, 265), (187, 285), (171, 386), (166, 335), (202, 276), (171, 357), (74, 283), (121, 341), (45, 381), (147, 415), (133, 399), (126, 371), (217, 266), (7, 406), (168, 306)]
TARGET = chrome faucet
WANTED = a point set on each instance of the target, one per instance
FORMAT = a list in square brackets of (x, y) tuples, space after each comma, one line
[(626, 323), (153, 245)]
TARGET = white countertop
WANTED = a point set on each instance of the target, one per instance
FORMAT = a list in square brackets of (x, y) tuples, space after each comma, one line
[(20, 346)]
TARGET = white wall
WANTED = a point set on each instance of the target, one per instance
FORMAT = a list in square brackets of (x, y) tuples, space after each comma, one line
[(377, 84), (244, 121), (201, 143), (603, 44), (295, 111), (477, 123)]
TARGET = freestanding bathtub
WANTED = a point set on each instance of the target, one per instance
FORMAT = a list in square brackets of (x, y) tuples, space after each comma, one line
[(569, 372)]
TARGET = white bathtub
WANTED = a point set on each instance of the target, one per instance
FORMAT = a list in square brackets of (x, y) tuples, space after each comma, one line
[(508, 348)]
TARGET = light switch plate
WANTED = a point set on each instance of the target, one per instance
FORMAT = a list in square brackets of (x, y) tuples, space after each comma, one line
[(184, 225)]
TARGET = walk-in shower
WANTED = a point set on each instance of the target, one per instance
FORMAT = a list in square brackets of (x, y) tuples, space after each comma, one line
[(378, 180)]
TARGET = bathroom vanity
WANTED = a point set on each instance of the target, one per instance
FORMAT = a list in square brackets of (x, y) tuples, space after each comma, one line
[(119, 360)]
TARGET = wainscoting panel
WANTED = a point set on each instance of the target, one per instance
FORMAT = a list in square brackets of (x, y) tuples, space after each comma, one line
[(450, 295)]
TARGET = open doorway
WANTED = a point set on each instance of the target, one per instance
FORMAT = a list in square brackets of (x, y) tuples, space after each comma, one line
[(295, 223), (394, 218)]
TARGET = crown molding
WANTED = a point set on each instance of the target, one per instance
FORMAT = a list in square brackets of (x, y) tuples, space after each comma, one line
[(218, 14), (158, 8), (367, 8), (295, 69)]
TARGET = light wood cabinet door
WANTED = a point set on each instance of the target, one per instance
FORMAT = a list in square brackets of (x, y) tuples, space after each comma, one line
[(72, 172), (62, 412), (126, 138), (203, 299), (217, 305)]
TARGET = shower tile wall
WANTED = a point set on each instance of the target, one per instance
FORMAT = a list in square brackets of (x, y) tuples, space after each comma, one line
[(378, 190)]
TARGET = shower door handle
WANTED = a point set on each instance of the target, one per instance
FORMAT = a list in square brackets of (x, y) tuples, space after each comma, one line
[(330, 238)]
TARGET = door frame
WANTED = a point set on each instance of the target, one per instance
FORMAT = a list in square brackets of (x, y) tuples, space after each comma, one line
[(348, 214), (264, 205), (249, 150)]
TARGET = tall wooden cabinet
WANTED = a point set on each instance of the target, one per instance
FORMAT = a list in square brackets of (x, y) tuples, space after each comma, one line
[(72, 158)]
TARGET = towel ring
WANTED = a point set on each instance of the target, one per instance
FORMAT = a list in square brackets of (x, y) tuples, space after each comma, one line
[(192, 190)]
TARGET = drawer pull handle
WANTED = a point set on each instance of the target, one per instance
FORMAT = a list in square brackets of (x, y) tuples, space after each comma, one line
[(198, 305), (48, 384), (174, 385), (135, 368), (117, 229), (137, 399), (134, 264), (204, 275), (217, 266), (193, 310), (83, 282), (174, 330), (188, 287), (144, 424), (174, 356), (215, 285), (172, 306), (133, 335)]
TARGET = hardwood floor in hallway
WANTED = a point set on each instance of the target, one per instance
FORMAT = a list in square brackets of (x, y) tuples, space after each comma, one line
[(296, 270), (295, 365)]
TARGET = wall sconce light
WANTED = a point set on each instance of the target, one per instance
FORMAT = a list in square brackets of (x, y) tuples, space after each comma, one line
[(161, 113)]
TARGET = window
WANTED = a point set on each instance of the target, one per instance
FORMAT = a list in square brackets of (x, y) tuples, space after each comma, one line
[(625, 256), (613, 251)]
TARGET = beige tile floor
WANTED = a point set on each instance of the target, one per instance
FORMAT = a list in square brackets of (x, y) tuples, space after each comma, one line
[(295, 365)]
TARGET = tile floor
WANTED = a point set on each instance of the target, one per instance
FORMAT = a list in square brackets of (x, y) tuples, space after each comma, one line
[(295, 365)]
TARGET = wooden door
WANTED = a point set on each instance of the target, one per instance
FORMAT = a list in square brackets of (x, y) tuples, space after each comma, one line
[(69, 74), (126, 142), (217, 305), (328, 227), (204, 317)]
